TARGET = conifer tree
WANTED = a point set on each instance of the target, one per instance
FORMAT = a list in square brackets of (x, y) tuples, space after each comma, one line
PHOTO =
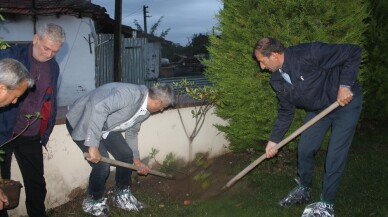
[(250, 105), (375, 81)]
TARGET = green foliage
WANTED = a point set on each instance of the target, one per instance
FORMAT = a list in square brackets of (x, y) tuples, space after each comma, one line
[(202, 98), (375, 80), (31, 118), (3, 44), (1, 153), (153, 28), (198, 44), (169, 163), (250, 103)]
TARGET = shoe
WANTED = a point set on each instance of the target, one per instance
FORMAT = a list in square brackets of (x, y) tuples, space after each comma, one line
[(124, 199), (95, 207), (298, 195), (319, 209)]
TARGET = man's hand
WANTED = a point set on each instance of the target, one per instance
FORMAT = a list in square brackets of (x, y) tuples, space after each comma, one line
[(344, 96), (3, 199), (94, 155), (144, 169), (270, 151)]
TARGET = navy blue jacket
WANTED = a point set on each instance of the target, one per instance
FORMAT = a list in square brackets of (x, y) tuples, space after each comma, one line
[(48, 112), (316, 71)]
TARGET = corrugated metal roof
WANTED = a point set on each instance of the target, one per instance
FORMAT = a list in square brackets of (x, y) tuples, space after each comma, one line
[(50, 7)]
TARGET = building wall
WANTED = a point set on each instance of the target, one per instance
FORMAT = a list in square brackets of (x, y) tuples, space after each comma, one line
[(76, 57), (67, 172)]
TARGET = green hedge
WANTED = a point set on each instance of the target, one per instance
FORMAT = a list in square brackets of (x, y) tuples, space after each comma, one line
[(250, 105)]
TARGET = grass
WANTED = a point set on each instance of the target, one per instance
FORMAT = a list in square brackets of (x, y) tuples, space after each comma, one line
[(363, 191)]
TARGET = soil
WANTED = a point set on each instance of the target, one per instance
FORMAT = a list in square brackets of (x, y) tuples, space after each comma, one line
[(202, 180)]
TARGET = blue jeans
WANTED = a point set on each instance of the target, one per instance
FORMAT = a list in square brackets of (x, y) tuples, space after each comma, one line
[(116, 145), (343, 123)]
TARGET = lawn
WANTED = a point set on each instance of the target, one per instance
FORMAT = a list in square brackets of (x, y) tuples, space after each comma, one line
[(363, 191)]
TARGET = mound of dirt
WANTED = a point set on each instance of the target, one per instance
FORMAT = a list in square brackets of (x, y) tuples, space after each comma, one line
[(196, 182)]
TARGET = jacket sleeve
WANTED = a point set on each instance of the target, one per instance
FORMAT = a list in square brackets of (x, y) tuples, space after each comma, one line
[(345, 56), (49, 106), (282, 124), (131, 137)]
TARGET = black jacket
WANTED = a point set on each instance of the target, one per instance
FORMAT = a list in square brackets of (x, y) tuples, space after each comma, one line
[(316, 71)]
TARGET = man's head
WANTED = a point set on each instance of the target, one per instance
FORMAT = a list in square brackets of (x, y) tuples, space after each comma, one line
[(47, 42), (160, 97), (269, 52), (14, 81)]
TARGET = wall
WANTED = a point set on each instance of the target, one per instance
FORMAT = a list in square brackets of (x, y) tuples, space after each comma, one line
[(66, 171), (76, 58)]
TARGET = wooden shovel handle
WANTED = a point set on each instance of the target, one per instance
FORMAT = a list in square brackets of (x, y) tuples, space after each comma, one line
[(282, 143), (130, 166)]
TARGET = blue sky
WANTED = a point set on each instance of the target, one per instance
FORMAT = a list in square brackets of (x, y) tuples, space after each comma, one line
[(185, 18)]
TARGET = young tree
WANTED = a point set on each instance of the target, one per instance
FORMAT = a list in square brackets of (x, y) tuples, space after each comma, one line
[(153, 28), (250, 103)]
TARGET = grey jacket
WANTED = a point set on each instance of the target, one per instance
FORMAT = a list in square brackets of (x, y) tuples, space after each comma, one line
[(104, 108)]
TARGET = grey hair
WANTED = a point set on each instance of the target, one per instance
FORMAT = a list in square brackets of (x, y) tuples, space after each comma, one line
[(267, 46), (164, 92), (13, 72), (53, 32)]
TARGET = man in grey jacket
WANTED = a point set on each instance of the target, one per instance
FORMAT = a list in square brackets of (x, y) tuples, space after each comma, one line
[(96, 121)]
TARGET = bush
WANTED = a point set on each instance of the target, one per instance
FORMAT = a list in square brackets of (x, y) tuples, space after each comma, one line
[(375, 81), (250, 105)]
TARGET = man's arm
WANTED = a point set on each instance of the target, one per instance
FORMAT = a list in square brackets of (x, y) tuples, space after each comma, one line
[(282, 124), (283, 121), (131, 136)]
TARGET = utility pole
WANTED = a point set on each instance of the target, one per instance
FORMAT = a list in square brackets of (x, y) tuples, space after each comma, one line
[(145, 18), (117, 42)]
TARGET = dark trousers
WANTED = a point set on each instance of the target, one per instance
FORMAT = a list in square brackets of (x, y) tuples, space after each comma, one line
[(116, 145), (343, 124), (28, 153)]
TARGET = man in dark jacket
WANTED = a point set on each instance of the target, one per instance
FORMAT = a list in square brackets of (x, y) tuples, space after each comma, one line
[(38, 57), (14, 81), (312, 76)]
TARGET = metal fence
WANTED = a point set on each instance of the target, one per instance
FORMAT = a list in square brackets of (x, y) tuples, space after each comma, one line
[(140, 60)]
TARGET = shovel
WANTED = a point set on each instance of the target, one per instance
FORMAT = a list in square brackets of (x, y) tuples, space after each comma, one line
[(130, 166), (281, 144)]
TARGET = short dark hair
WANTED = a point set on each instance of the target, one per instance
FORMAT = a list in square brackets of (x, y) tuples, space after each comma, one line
[(268, 45)]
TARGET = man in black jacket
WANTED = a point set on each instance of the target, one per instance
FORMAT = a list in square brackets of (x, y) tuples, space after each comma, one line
[(312, 76)]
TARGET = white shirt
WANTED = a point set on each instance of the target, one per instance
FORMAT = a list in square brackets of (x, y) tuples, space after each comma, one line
[(122, 127)]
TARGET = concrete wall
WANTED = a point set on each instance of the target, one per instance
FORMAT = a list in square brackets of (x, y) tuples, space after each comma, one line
[(66, 171)]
